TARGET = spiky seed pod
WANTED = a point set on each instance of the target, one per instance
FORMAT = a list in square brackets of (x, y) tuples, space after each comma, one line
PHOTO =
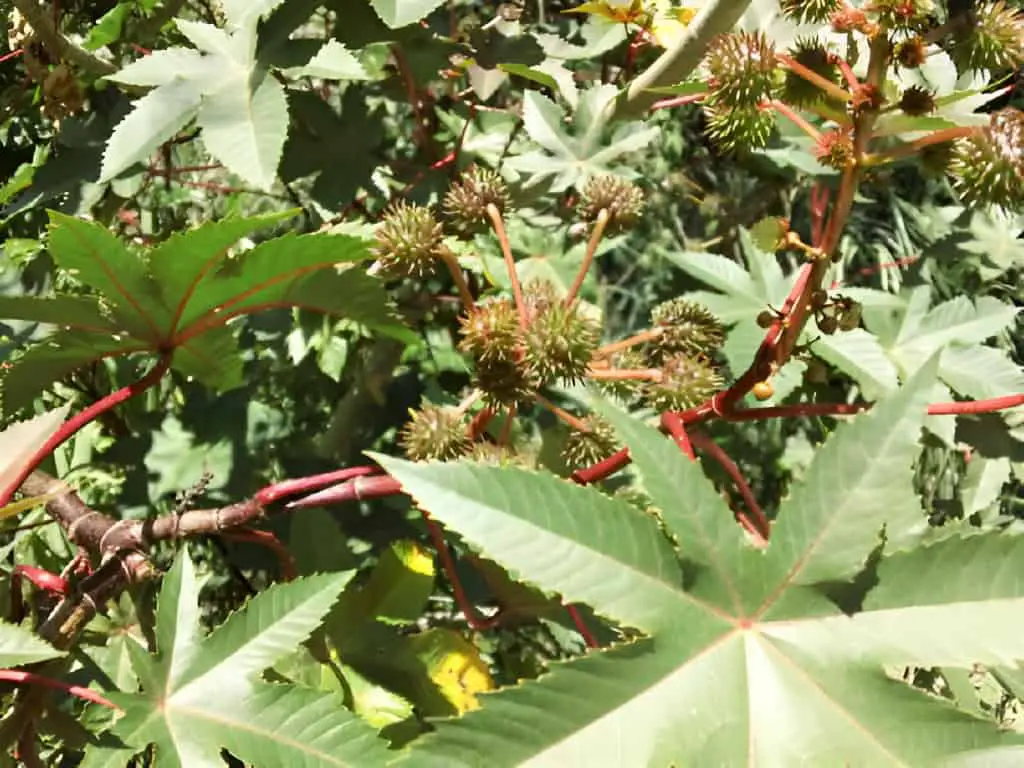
[(625, 389), (623, 200), (559, 340), (434, 433), (995, 42), (811, 54), (583, 449), (835, 149), (408, 240), (686, 326), (742, 68), (988, 167), (505, 382), (499, 456), (491, 332), (935, 159), (747, 128), (686, 381), (911, 53), (467, 199), (917, 101), (810, 11)]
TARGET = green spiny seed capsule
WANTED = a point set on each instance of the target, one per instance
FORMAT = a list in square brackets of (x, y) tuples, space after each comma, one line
[(505, 382), (911, 53), (810, 11), (491, 332), (686, 381), (467, 200), (408, 240), (809, 52), (835, 149), (559, 340), (626, 389), (988, 167), (935, 159), (742, 68), (622, 199), (686, 326), (746, 128), (434, 433), (917, 101), (995, 42), (582, 449), (495, 455)]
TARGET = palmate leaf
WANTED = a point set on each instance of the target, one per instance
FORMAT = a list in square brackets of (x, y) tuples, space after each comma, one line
[(201, 695), (181, 296), (747, 655), (570, 159)]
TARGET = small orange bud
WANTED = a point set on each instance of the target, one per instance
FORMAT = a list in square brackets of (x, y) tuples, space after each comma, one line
[(763, 390)]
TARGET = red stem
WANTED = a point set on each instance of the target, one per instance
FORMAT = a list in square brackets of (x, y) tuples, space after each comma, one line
[(40, 578), (298, 485), (356, 489), (757, 523), (475, 621), (30, 678), (677, 101), (581, 627), (11, 55), (80, 419), (271, 542)]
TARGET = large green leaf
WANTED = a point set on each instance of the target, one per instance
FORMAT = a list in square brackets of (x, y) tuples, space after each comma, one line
[(179, 298), (750, 656), (240, 107), (201, 695)]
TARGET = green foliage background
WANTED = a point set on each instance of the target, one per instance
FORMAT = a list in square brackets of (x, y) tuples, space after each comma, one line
[(285, 129)]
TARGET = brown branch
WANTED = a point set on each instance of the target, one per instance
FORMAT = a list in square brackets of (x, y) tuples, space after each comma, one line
[(43, 25)]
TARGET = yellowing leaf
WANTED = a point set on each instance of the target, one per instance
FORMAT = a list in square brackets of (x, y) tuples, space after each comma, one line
[(670, 24), (455, 666), (621, 12), (21, 440), (19, 506)]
